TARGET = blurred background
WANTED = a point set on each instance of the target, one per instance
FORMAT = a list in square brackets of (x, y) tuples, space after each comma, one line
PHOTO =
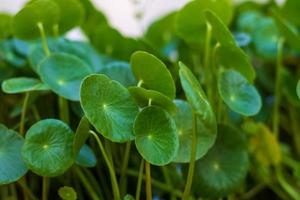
[(130, 17)]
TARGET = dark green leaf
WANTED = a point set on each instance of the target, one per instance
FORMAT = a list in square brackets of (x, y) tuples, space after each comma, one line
[(81, 135), (5, 25)]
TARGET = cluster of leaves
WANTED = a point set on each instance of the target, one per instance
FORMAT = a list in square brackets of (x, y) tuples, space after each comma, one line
[(214, 110)]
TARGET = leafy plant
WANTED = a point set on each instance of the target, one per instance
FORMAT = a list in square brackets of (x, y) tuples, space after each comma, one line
[(204, 105)]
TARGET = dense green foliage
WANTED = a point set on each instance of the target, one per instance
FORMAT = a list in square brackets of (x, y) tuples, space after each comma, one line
[(204, 105)]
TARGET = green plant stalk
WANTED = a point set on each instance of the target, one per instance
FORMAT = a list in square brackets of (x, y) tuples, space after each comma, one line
[(167, 179), (114, 182), (123, 179), (23, 114), (148, 181), (27, 190), (93, 181), (13, 190), (44, 39), (45, 188), (63, 109), (207, 64), (190, 176), (156, 183), (276, 115), (285, 185), (139, 183), (86, 184), (295, 129)]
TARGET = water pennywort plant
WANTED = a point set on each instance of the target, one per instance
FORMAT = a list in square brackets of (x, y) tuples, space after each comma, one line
[(204, 105)]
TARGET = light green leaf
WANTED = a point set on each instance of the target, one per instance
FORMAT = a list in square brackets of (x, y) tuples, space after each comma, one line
[(12, 166), (225, 165), (197, 99), (205, 138), (143, 96), (156, 137), (67, 193), (5, 25), (64, 73), (23, 84), (48, 148), (290, 10), (152, 73), (109, 107), (25, 22), (238, 93)]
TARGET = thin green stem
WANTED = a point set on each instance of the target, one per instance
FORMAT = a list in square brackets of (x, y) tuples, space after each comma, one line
[(285, 185), (148, 181), (44, 39), (45, 188), (140, 179), (27, 190), (114, 183), (124, 168), (23, 114), (90, 176), (190, 176), (86, 184), (167, 178), (63, 109), (276, 115), (207, 52)]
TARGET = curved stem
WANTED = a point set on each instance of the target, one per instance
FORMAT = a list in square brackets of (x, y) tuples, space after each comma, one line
[(23, 114), (148, 181), (86, 184), (44, 39), (124, 168), (140, 179), (114, 182), (276, 115), (208, 70), (190, 176)]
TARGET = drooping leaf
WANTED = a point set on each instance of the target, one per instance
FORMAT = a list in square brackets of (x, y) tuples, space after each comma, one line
[(152, 73), (190, 20), (205, 138), (156, 137), (48, 148), (23, 84), (143, 96), (238, 93), (25, 22), (121, 72), (12, 166), (109, 107), (64, 73), (81, 135), (225, 165), (206, 120), (71, 14), (86, 157), (67, 193)]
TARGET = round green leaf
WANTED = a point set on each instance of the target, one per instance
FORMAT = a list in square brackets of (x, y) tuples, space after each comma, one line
[(71, 14), (152, 73), (143, 96), (238, 94), (12, 166), (156, 137), (197, 99), (225, 165), (64, 73), (67, 193), (81, 135), (86, 157), (25, 22), (191, 23), (184, 123), (121, 72), (48, 148), (298, 89), (129, 197), (5, 25), (23, 84), (109, 107)]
